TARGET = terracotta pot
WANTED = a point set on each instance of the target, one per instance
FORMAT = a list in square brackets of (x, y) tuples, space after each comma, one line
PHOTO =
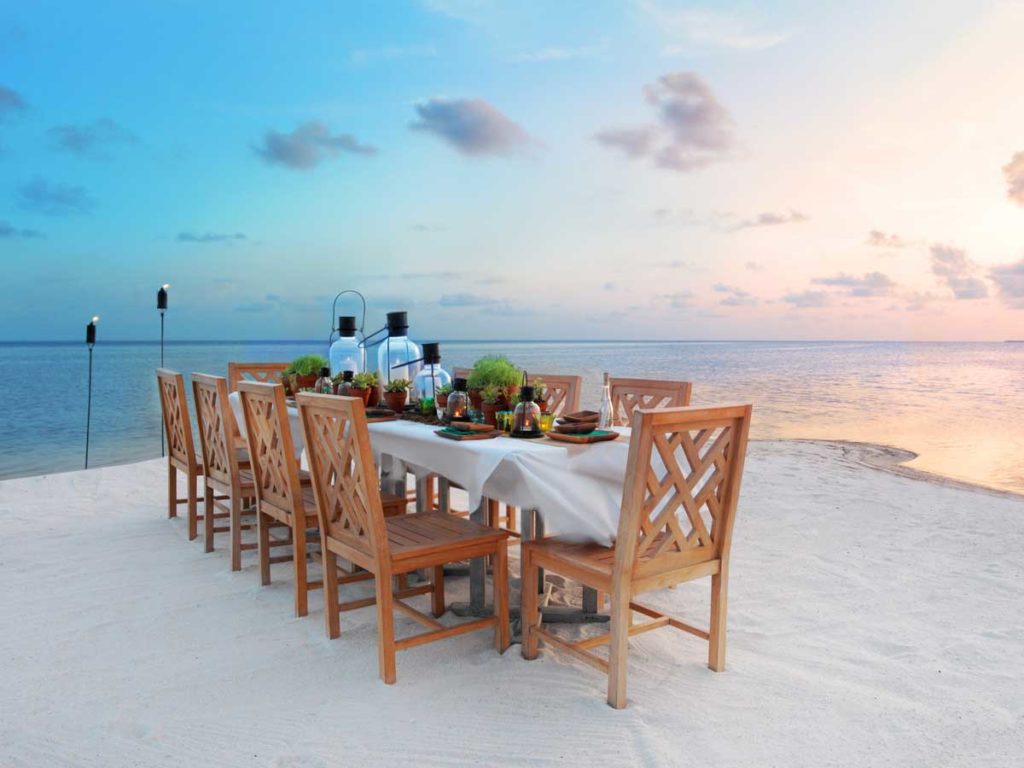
[(489, 411), (373, 398), (543, 405), (300, 383), (363, 393), (442, 401), (475, 398), (286, 382), (395, 401)]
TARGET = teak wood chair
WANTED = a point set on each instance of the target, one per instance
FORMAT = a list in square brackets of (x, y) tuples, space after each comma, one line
[(284, 494), (225, 465), (353, 526), (270, 373), (630, 394), (181, 449), (678, 509)]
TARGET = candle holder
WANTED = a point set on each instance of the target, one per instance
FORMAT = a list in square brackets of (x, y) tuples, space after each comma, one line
[(526, 419), (458, 402)]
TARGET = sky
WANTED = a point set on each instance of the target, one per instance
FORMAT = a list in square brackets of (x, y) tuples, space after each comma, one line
[(640, 169)]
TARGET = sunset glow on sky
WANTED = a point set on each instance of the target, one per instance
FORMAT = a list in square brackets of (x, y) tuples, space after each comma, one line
[(647, 169)]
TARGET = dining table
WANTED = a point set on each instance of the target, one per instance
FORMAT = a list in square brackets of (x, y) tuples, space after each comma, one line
[(573, 490)]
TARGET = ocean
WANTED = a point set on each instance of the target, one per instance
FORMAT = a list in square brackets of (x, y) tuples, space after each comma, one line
[(959, 406)]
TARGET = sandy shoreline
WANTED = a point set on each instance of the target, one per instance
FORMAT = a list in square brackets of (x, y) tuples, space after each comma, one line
[(874, 620)]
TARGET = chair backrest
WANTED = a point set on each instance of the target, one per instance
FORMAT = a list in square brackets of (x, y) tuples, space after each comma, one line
[(682, 484), (563, 392), (271, 450), (630, 394), (270, 373), (344, 475), (177, 425), (461, 373), (218, 432)]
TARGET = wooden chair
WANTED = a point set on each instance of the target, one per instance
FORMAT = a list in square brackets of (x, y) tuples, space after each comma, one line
[(353, 526), (225, 465), (678, 508), (630, 394), (284, 496), (270, 373), (181, 450)]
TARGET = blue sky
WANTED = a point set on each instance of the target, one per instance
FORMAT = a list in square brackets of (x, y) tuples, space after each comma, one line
[(546, 170)]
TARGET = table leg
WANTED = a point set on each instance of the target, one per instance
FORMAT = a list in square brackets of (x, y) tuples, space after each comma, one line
[(444, 495), (423, 488), (392, 480), (477, 575)]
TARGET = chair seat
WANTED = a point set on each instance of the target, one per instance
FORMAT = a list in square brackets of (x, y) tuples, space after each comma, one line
[(425, 533)]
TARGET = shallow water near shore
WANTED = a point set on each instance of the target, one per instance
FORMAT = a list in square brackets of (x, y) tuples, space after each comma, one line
[(959, 406)]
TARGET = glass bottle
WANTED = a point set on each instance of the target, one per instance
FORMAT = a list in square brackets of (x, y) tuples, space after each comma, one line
[(398, 356), (347, 354), (344, 387), (324, 385), (431, 376), (458, 402), (606, 418), (526, 419)]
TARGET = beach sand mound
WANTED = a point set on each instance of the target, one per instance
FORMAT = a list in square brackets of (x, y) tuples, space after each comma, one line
[(874, 620)]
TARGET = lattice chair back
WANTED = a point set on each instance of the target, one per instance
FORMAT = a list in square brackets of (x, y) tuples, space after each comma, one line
[(217, 427), (631, 394), (269, 373), (682, 484), (563, 392), (271, 449), (177, 424), (461, 373), (343, 471)]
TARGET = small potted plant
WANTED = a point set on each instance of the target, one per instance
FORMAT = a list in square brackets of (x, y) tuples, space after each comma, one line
[(306, 370), (496, 370), (395, 393), (286, 381), (442, 395), (363, 384), (490, 398), (540, 394)]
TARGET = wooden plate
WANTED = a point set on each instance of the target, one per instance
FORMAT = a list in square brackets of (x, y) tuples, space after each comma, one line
[(581, 417), (597, 436), (574, 428), (471, 426), (451, 434)]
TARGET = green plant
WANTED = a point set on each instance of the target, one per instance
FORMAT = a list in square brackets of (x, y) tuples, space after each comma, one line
[(365, 380), (540, 389), (308, 365), (496, 370), (491, 393), (397, 385), (513, 399), (444, 389)]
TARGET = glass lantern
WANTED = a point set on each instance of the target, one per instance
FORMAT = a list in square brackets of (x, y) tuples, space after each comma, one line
[(458, 402), (526, 419), (431, 376), (347, 354), (398, 357)]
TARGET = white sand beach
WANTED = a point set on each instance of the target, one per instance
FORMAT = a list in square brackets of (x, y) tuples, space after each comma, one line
[(875, 619)]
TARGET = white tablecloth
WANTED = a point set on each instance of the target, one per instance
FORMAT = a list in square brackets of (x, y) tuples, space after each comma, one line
[(576, 488)]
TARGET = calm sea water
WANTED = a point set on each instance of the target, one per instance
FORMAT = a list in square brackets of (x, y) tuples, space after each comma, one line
[(959, 406)]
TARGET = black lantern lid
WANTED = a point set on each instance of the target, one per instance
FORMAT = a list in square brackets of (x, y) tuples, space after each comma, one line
[(325, 373), (431, 352), (161, 298), (398, 323), (347, 375), (526, 394), (347, 325), (459, 385)]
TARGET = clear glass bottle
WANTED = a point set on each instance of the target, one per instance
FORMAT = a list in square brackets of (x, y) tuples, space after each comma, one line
[(325, 384), (397, 352), (344, 387), (431, 376), (606, 418), (458, 402), (347, 354)]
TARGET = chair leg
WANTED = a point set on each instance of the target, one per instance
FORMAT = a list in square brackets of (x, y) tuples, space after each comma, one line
[(172, 490), (193, 508), (385, 629), (299, 564), (510, 517), (716, 642), (618, 648), (331, 611), (235, 526), (437, 596), (208, 510), (528, 612), (501, 632), (263, 530)]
